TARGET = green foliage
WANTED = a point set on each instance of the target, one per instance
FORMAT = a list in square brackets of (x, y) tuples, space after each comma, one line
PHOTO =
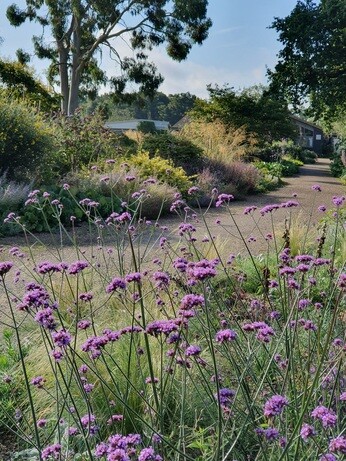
[(337, 165), (20, 83), (82, 141), (9, 373), (313, 32), (160, 106), (146, 24), (180, 151), (146, 126), (276, 150), (290, 166), (176, 107), (26, 141), (263, 116)]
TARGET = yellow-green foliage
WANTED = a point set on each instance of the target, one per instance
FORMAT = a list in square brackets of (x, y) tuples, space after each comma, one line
[(218, 141), (162, 169)]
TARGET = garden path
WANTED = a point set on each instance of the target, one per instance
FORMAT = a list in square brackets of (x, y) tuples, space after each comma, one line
[(232, 237)]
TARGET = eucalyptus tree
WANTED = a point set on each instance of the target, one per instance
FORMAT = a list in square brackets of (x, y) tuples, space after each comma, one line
[(76, 34)]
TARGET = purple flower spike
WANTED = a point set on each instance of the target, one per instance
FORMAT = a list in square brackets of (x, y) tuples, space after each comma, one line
[(52, 451), (223, 198), (223, 336), (325, 415), (275, 405), (338, 445), (5, 267), (116, 284), (307, 431)]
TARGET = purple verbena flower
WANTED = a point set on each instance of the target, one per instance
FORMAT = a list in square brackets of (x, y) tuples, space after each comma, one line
[(269, 208), (275, 405), (227, 335), (192, 350), (62, 338), (338, 201), (5, 267), (327, 457), (161, 278), (45, 318), (88, 296), (77, 267), (325, 415), (148, 454), (338, 444), (271, 433), (161, 327), (41, 422), (133, 277), (116, 283), (223, 198), (38, 381), (225, 396), (52, 451), (191, 300), (307, 431)]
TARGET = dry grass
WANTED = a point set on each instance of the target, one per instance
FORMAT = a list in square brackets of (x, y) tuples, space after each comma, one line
[(219, 142)]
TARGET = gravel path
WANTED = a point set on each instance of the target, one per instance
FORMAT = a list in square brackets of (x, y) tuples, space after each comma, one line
[(254, 227)]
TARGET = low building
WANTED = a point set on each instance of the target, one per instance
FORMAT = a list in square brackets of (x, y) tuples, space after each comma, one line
[(125, 125), (310, 135)]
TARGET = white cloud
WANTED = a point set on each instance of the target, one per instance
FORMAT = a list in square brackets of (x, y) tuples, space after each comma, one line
[(193, 77)]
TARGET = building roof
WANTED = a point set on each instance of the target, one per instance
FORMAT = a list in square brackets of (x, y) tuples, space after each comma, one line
[(305, 122), (124, 125)]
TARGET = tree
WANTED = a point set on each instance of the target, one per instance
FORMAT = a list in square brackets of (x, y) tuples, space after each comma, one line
[(312, 65), (82, 29), (263, 116), (18, 81), (178, 105)]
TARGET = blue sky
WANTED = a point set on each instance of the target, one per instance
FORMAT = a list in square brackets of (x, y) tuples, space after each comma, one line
[(237, 51)]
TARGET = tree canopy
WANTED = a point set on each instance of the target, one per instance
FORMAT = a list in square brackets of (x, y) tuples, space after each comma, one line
[(18, 81), (254, 109), (81, 30), (170, 107), (312, 64)]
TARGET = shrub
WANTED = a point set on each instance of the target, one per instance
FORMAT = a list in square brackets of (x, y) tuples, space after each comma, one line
[(26, 142), (277, 150), (82, 141), (338, 163), (290, 166), (181, 151), (160, 168), (146, 126), (240, 176)]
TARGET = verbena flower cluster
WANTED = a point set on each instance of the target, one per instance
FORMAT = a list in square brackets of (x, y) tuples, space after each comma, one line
[(182, 352)]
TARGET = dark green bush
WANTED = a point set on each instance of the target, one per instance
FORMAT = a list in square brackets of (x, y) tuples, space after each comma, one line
[(337, 167), (82, 141), (275, 151), (181, 151), (26, 141), (290, 166), (146, 126)]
